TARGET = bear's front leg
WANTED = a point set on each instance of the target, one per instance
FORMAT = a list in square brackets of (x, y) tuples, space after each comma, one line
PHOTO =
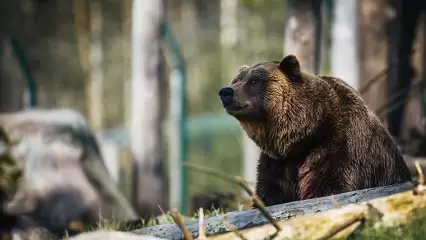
[(277, 181), (315, 182)]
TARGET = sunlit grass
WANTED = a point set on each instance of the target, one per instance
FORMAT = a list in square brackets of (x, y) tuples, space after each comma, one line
[(108, 225), (414, 229)]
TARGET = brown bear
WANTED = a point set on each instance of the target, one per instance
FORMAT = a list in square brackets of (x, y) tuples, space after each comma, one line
[(317, 136)]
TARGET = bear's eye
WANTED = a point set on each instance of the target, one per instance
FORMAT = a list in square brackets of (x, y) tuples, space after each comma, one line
[(253, 81)]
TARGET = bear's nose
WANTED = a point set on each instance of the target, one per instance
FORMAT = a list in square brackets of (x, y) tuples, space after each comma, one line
[(226, 94)]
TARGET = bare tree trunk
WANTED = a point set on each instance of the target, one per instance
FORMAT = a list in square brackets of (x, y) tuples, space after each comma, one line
[(146, 113), (344, 50), (10, 94), (126, 11), (4, 86), (373, 50), (96, 87), (401, 74), (3, 92), (300, 32)]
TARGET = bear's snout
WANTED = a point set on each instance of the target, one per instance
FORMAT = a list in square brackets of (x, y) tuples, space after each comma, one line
[(226, 95)]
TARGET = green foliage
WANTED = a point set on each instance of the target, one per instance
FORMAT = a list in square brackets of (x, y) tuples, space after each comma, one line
[(415, 229), (163, 219), (260, 4), (10, 173), (220, 152)]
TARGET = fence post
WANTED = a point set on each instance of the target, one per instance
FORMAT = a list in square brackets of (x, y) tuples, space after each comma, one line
[(178, 154)]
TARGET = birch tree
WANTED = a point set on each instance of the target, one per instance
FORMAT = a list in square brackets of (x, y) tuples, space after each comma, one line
[(146, 112), (300, 37), (373, 50), (96, 87), (345, 42)]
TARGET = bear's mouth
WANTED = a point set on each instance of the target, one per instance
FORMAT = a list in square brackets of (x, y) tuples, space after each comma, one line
[(232, 108)]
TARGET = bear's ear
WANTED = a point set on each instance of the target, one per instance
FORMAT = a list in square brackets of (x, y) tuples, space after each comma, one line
[(290, 66), (242, 68)]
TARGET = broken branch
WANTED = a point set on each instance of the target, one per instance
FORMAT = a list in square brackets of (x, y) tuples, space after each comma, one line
[(243, 183), (178, 220)]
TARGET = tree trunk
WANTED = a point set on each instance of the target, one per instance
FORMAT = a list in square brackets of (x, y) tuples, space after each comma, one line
[(373, 50), (344, 50), (10, 93), (126, 12), (3, 86), (96, 86), (146, 113), (303, 20), (401, 74)]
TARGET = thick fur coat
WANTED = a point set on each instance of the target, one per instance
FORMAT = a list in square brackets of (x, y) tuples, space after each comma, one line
[(317, 136)]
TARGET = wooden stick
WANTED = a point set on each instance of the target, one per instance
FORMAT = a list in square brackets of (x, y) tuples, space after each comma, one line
[(335, 203), (215, 173), (259, 204), (421, 179), (202, 230), (233, 229), (178, 220), (421, 187), (343, 226), (241, 182)]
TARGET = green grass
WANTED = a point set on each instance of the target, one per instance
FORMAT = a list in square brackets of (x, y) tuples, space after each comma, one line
[(414, 229), (107, 225)]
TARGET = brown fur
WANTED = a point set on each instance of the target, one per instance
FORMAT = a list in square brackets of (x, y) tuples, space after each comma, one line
[(317, 136)]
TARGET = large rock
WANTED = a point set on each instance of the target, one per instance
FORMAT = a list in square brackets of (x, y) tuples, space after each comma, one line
[(64, 178)]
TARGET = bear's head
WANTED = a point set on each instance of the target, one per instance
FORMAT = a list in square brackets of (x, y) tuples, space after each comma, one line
[(274, 102), (259, 89)]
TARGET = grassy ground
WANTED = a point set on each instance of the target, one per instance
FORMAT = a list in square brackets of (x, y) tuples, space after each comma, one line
[(165, 218), (415, 229)]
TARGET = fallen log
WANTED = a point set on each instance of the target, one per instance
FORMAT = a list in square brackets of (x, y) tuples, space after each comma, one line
[(340, 223), (252, 218)]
